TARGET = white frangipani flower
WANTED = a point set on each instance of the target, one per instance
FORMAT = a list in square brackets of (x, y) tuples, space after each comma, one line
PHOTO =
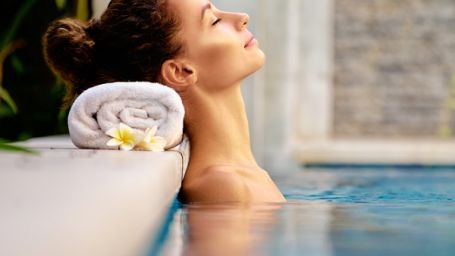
[(123, 136), (151, 142)]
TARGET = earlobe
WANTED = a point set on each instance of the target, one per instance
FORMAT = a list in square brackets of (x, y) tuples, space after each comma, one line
[(178, 75)]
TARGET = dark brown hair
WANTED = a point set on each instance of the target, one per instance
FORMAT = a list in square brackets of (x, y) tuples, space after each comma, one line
[(130, 42)]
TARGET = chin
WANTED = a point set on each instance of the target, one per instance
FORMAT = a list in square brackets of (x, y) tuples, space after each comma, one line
[(262, 57), (259, 61)]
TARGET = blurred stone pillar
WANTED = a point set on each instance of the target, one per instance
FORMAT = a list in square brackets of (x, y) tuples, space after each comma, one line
[(312, 64), (297, 36)]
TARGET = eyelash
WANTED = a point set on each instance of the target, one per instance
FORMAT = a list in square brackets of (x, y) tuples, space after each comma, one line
[(216, 22)]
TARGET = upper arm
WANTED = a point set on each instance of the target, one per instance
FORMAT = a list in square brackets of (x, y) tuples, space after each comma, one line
[(217, 186)]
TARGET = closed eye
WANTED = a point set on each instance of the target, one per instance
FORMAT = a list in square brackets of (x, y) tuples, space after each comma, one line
[(216, 22)]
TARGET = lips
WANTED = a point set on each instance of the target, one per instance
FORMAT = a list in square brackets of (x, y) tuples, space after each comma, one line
[(250, 40)]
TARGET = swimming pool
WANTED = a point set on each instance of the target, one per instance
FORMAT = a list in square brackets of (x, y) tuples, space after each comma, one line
[(330, 211)]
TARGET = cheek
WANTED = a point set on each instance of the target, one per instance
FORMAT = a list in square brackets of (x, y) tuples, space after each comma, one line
[(219, 53), (221, 60)]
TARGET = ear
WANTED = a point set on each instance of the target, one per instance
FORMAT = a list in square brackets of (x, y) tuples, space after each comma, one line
[(178, 74)]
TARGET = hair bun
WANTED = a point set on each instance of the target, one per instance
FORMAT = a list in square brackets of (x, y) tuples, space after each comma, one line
[(68, 49)]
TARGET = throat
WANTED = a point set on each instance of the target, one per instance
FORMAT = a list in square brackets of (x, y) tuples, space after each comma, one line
[(217, 126)]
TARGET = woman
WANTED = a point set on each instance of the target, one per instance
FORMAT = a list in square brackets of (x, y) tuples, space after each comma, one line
[(202, 53)]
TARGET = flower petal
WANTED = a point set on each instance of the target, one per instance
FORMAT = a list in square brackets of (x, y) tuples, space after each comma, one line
[(138, 136), (153, 130), (147, 135), (114, 142), (155, 148), (126, 146), (158, 145), (123, 126), (113, 132), (149, 147), (140, 146), (160, 141), (125, 131)]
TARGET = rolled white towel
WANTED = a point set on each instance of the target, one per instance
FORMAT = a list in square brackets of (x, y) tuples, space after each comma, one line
[(139, 105)]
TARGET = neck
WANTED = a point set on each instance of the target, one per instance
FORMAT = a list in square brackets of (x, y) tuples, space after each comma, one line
[(217, 126)]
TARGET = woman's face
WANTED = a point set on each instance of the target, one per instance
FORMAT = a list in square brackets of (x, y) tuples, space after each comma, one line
[(217, 43)]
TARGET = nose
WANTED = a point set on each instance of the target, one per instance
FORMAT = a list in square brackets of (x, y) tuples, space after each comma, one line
[(243, 21), (240, 20)]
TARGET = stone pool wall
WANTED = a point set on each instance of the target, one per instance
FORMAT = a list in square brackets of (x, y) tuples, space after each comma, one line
[(394, 70)]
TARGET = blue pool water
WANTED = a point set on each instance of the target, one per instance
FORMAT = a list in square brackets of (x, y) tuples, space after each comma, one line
[(355, 211)]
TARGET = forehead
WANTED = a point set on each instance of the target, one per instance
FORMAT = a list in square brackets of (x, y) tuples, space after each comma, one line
[(189, 11)]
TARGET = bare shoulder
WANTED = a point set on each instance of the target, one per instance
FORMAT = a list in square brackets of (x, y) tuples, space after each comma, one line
[(217, 184)]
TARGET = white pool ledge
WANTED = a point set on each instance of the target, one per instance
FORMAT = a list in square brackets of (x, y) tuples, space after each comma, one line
[(68, 201), (420, 152)]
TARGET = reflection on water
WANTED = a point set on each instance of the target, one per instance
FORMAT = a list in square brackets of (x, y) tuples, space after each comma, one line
[(227, 229), (330, 212)]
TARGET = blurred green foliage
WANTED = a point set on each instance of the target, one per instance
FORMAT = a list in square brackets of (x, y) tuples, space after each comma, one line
[(30, 95), (7, 146)]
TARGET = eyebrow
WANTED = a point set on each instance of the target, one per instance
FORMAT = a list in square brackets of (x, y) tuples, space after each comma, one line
[(205, 8)]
